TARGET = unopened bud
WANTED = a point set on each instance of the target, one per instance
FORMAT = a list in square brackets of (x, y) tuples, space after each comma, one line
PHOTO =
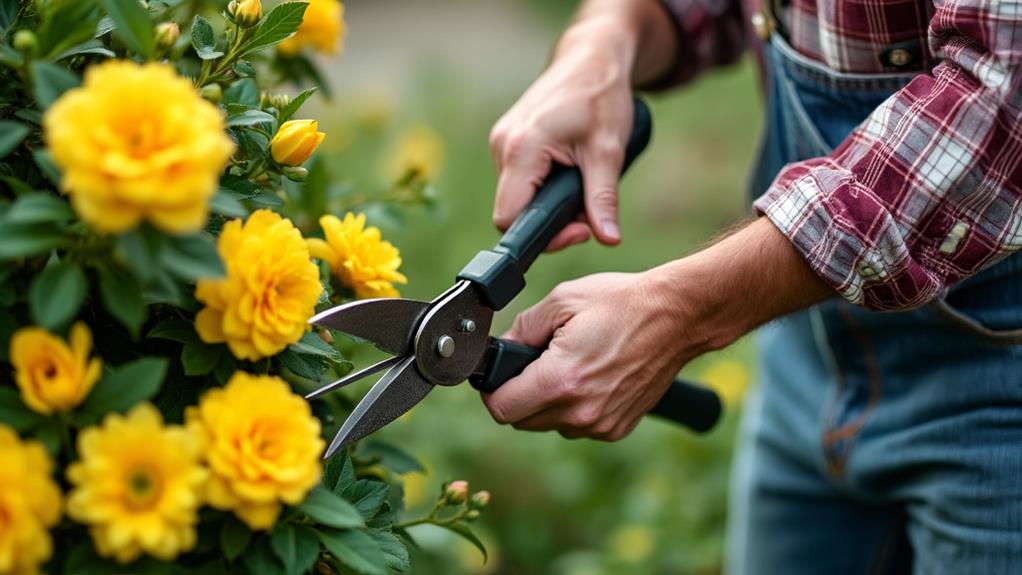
[(212, 93), (167, 34), (479, 500), (248, 13), (295, 173), (25, 41), (472, 515), (456, 492), (326, 336), (232, 7), (271, 100)]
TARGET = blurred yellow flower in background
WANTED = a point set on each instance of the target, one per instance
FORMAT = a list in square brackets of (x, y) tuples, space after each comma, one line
[(632, 543), (421, 150), (729, 378), (262, 445), (269, 292), (137, 142), (295, 142), (138, 485), (322, 28), (358, 256), (52, 375), (29, 504)]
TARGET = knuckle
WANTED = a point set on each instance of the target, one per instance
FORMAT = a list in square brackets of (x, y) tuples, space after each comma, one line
[(605, 197), (497, 136), (584, 417), (515, 144)]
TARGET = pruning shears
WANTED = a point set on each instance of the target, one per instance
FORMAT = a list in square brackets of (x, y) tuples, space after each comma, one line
[(446, 341)]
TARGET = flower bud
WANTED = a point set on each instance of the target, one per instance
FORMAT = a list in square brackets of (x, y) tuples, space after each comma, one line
[(167, 34), (295, 173), (25, 41), (271, 100), (479, 500), (248, 13), (295, 141), (212, 93), (232, 7), (456, 492), (326, 336), (472, 515)]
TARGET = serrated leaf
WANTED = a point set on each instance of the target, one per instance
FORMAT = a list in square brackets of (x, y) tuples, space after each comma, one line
[(234, 538), (327, 508), (20, 240), (395, 553), (250, 118), (367, 496), (356, 550), (339, 473), (15, 413), (302, 365), (134, 26), (192, 257), (295, 104), (39, 208), (277, 25), (242, 92), (204, 40), (50, 81), (121, 388), (199, 358), (11, 135), (122, 297), (392, 457), (56, 294), (312, 344), (466, 533)]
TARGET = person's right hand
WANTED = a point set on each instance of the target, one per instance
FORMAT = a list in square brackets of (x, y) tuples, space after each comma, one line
[(578, 113)]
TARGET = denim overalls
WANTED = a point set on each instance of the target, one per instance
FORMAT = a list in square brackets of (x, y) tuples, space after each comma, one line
[(877, 442)]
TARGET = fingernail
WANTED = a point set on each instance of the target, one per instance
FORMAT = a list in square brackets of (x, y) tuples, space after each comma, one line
[(610, 229)]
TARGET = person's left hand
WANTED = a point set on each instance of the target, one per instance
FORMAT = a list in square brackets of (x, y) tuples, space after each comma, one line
[(612, 349)]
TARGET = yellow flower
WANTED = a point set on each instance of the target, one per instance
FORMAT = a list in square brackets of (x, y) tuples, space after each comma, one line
[(322, 28), (137, 142), (358, 257), (29, 504), (138, 485), (269, 292), (295, 141), (729, 378), (420, 150), (52, 375), (262, 445), (248, 13)]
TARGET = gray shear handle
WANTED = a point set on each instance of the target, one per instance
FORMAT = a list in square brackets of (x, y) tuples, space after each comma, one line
[(689, 404)]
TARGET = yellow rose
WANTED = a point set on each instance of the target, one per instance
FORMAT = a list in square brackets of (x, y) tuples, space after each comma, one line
[(322, 28), (269, 292), (29, 504), (419, 149), (52, 375), (248, 13), (138, 485), (137, 142), (262, 445), (358, 257), (295, 141)]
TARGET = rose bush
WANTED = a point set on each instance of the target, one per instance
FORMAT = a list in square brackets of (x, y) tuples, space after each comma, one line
[(159, 260)]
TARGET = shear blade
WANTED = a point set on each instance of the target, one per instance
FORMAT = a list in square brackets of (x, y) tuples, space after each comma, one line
[(388, 323), (399, 390)]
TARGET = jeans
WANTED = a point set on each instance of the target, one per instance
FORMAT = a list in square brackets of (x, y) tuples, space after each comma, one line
[(877, 442)]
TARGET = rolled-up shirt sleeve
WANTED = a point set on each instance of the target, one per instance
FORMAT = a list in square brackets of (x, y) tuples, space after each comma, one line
[(710, 33), (928, 189)]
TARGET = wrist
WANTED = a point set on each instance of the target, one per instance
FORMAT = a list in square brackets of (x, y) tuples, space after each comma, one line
[(601, 38)]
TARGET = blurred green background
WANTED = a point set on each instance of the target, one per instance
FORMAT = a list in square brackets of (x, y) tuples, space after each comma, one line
[(653, 503)]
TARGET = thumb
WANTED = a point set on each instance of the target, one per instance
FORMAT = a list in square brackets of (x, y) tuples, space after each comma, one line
[(601, 168), (524, 164)]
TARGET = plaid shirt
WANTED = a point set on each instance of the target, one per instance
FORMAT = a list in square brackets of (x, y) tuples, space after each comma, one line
[(928, 189)]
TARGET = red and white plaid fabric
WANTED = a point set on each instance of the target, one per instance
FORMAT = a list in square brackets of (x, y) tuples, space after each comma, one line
[(928, 189)]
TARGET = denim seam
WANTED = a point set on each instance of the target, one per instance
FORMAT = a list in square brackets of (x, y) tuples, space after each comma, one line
[(946, 312)]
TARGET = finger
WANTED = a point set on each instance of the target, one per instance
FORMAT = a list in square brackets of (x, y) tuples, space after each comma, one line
[(535, 326), (601, 168), (525, 395), (573, 233), (523, 165), (549, 419)]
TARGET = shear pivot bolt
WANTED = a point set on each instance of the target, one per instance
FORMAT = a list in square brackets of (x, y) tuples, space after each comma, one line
[(468, 326), (445, 346)]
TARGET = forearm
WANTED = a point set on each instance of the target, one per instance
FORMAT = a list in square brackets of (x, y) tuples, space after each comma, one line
[(750, 277), (637, 35)]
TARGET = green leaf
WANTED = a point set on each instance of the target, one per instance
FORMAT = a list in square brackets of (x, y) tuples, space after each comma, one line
[(367, 495), (250, 118), (8, 325), (234, 538), (123, 387), (466, 533), (192, 257), (277, 25), (8, 14), (339, 473), (294, 104), (122, 297), (260, 560), (328, 509), (50, 81), (11, 134), (284, 543), (92, 46), (302, 365), (20, 240), (140, 249), (394, 552), (65, 23), (242, 92), (312, 344), (49, 432), (15, 413), (392, 457), (56, 294), (46, 166), (226, 204), (267, 199), (174, 329), (199, 358), (356, 550), (134, 27), (306, 550), (39, 208), (204, 40)]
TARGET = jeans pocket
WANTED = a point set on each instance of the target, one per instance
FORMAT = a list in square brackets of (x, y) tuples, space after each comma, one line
[(973, 322)]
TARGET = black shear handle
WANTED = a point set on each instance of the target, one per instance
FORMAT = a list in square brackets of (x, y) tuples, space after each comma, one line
[(691, 405)]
